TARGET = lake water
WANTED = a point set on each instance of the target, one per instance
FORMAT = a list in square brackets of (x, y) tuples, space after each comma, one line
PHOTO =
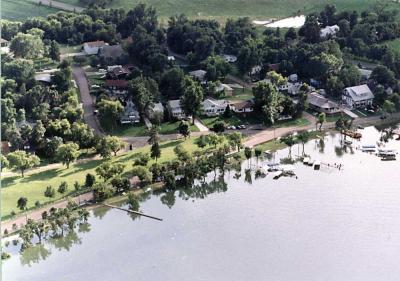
[(322, 225)]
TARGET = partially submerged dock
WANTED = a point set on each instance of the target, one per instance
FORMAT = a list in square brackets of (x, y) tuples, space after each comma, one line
[(131, 211)]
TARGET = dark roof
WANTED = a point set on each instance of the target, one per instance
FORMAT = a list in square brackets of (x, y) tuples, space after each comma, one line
[(320, 101), (120, 71), (117, 83), (243, 104)]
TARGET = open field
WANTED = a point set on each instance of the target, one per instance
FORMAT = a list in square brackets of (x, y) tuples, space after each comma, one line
[(23, 9), (394, 45), (34, 184)]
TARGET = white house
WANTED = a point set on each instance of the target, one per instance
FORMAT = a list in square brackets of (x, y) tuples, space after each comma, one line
[(329, 31), (211, 107), (93, 48), (130, 114), (175, 110), (358, 96)]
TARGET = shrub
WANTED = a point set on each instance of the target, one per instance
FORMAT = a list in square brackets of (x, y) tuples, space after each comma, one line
[(49, 192), (90, 180), (37, 204), (63, 187)]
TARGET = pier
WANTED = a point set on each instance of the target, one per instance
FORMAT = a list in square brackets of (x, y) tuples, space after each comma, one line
[(132, 212)]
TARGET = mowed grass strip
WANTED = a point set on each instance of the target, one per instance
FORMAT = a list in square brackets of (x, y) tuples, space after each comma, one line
[(22, 9), (32, 186)]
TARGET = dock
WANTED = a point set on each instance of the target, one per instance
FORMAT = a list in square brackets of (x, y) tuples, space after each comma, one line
[(131, 211)]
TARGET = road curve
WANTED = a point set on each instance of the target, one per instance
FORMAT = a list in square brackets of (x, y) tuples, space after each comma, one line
[(87, 100)]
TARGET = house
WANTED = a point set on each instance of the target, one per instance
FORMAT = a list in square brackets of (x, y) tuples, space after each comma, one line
[(358, 96), (211, 107), (93, 48), (113, 53), (5, 147), (175, 110), (230, 58), (117, 87), (44, 78), (319, 103), (199, 75), (130, 114), (365, 73), (157, 109), (242, 107), (329, 31), (293, 78), (171, 58), (294, 88), (118, 72), (224, 88), (4, 42)]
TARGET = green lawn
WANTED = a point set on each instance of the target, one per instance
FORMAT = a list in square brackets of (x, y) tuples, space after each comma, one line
[(292, 122), (235, 120), (240, 94), (44, 63), (138, 130), (22, 9), (65, 49), (394, 45), (33, 185)]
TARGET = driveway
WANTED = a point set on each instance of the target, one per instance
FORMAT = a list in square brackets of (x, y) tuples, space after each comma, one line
[(200, 126), (87, 100)]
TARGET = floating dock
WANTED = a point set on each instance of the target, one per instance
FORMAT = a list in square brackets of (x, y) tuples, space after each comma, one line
[(131, 211)]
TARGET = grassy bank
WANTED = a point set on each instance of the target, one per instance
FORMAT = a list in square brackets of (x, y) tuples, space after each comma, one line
[(34, 185), (22, 9)]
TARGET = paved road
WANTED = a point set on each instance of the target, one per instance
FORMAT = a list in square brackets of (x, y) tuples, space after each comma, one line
[(37, 214), (59, 5), (87, 100)]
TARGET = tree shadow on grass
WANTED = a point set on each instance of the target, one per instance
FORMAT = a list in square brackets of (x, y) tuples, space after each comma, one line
[(82, 167), (170, 143), (42, 176)]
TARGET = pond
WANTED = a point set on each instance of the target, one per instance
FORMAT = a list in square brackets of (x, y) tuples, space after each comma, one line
[(328, 224)]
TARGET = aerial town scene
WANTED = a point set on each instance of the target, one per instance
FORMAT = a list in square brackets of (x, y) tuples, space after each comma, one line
[(200, 140)]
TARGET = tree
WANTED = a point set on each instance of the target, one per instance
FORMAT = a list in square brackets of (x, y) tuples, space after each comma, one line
[(321, 118), (21, 203), (184, 129), (141, 159), (257, 152), (153, 135), (289, 140), (4, 163), (201, 141), (219, 127), (133, 202), (172, 83), (63, 187), (110, 112), (266, 100), (303, 137), (27, 46), (382, 75), (54, 51), (192, 98), (90, 180), (49, 192), (248, 153), (101, 192), (20, 160), (388, 107), (68, 153), (155, 151), (235, 140), (114, 143), (107, 170), (142, 173)]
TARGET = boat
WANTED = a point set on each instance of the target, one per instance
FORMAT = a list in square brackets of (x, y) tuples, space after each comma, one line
[(306, 160), (317, 165), (273, 167), (386, 151), (347, 142), (277, 174), (360, 127), (368, 148), (389, 157), (267, 152)]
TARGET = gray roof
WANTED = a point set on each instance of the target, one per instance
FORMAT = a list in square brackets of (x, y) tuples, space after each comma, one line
[(43, 77), (320, 101), (174, 103), (114, 51), (360, 93), (198, 74)]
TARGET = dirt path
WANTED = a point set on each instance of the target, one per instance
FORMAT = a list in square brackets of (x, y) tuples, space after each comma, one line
[(59, 5), (87, 100), (37, 214)]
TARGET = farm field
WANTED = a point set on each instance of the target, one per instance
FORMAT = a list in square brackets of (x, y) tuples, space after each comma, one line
[(23, 9), (220, 10)]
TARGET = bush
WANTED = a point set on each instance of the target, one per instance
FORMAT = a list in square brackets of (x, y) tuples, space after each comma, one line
[(90, 180), (6, 231), (49, 192), (219, 127), (12, 213), (37, 204), (5, 256), (63, 187), (142, 159), (77, 186)]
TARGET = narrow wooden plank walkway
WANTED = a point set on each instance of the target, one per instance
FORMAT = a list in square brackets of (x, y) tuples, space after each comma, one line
[(131, 211)]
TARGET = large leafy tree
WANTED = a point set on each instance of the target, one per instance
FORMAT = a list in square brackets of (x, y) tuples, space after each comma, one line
[(20, 160), (68, 153), (266, 100), (108, 170), (192, 98), (27, 46), (110, 112)]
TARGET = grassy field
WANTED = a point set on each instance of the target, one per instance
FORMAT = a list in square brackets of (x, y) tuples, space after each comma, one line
[(22, 9), (394, 45), (139, 130), (33, 185), (240, 94), (260, 9)]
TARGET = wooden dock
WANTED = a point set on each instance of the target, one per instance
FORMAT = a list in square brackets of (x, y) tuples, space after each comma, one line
[(132, 212)]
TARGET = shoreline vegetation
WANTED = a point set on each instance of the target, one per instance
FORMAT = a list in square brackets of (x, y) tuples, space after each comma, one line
[(168, 155)]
